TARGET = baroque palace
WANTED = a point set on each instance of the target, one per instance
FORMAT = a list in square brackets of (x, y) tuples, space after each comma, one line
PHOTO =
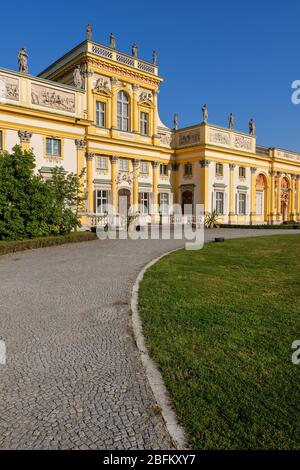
[(96, 109)]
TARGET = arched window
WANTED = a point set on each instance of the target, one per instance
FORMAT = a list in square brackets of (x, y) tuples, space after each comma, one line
[(123, 111)]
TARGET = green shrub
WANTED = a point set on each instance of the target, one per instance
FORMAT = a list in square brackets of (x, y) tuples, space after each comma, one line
[(31, 206)]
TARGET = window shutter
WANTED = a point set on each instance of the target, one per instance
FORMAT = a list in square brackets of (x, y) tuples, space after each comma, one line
[(236, 204), (247, 204), (225, 211)]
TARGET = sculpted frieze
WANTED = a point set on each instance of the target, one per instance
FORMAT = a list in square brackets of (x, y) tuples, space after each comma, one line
[(219, 138), (51, 98), (9, 88)]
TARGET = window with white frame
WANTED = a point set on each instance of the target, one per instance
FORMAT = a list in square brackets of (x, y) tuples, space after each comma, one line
[(219, 202), (102, 163), (242, 202), (163, 169), (100, 114), (164, 203), (123, 111), (53, 147), (188, 169), (144, 167), (219, 169), (144, 200), (123, 164), (144, 124), (101, 201), (242, 172)]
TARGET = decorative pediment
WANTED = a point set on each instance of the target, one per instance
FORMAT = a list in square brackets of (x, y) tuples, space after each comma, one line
[(102, 87), (145, 98)]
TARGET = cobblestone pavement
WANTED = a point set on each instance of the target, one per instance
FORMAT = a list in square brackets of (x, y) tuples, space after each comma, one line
[(73, 378)]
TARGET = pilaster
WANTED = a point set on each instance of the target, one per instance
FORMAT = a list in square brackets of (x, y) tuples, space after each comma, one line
[(253, 195), (204, 188), (135, 183), (114, 189), (232, 215), (89, 176)]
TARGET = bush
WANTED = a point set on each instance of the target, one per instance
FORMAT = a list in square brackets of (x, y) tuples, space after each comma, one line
[(31, 206)]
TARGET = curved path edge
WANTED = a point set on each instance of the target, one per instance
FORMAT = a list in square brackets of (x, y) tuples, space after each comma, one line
[(152, 372)]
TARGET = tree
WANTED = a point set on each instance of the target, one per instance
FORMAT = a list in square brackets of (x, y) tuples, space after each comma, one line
[(67, 199)]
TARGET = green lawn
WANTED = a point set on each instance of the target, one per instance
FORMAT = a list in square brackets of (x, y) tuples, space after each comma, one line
[(220, 323)]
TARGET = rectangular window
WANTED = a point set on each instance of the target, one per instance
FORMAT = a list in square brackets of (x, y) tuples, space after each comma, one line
[(100, 114), (53, 147), (220, 202), (242, 172), (219, 169), (188, 169), (123, 165), (144, 167), (242, 203), (144, 124), (164, 203), (144, 200), (101, 201), (102, 163), (163, 169), (1, 140)]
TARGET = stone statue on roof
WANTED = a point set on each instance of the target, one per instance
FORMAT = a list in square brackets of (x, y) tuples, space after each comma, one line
[(204, 113), (23, 60), (89, 32)]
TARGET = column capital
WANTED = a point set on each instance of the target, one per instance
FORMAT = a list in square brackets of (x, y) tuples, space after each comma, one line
[(298, 177), (114, 159), (293, 177), (24, 136), (253, 169), (272, 173), (204, 163), (278, 174), (89, 156), (232, 166), (155, 164), (80, 144)]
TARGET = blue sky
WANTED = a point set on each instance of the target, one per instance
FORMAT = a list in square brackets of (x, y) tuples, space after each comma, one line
[(235, 56)]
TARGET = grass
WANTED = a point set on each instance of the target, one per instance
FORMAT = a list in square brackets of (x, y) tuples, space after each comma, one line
[(220, 323), (41, 242)]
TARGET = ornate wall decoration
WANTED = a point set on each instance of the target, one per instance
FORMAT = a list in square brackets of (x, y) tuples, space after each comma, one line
[(219, 138), (115, 69), (188, 138), (145, 95), (287, 155), (51, 98), (260, 180), (9, 88), (241, 142), (102, 84), (166, 139)]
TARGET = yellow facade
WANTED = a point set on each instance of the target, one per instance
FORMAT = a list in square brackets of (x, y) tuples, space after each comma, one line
[(110, 127)]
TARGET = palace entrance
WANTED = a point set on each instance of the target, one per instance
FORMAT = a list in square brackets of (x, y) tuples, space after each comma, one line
[(123, 201), (187, 199)]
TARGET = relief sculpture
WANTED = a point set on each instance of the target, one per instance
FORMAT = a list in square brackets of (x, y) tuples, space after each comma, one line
[(9, 88), (56, 99)]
